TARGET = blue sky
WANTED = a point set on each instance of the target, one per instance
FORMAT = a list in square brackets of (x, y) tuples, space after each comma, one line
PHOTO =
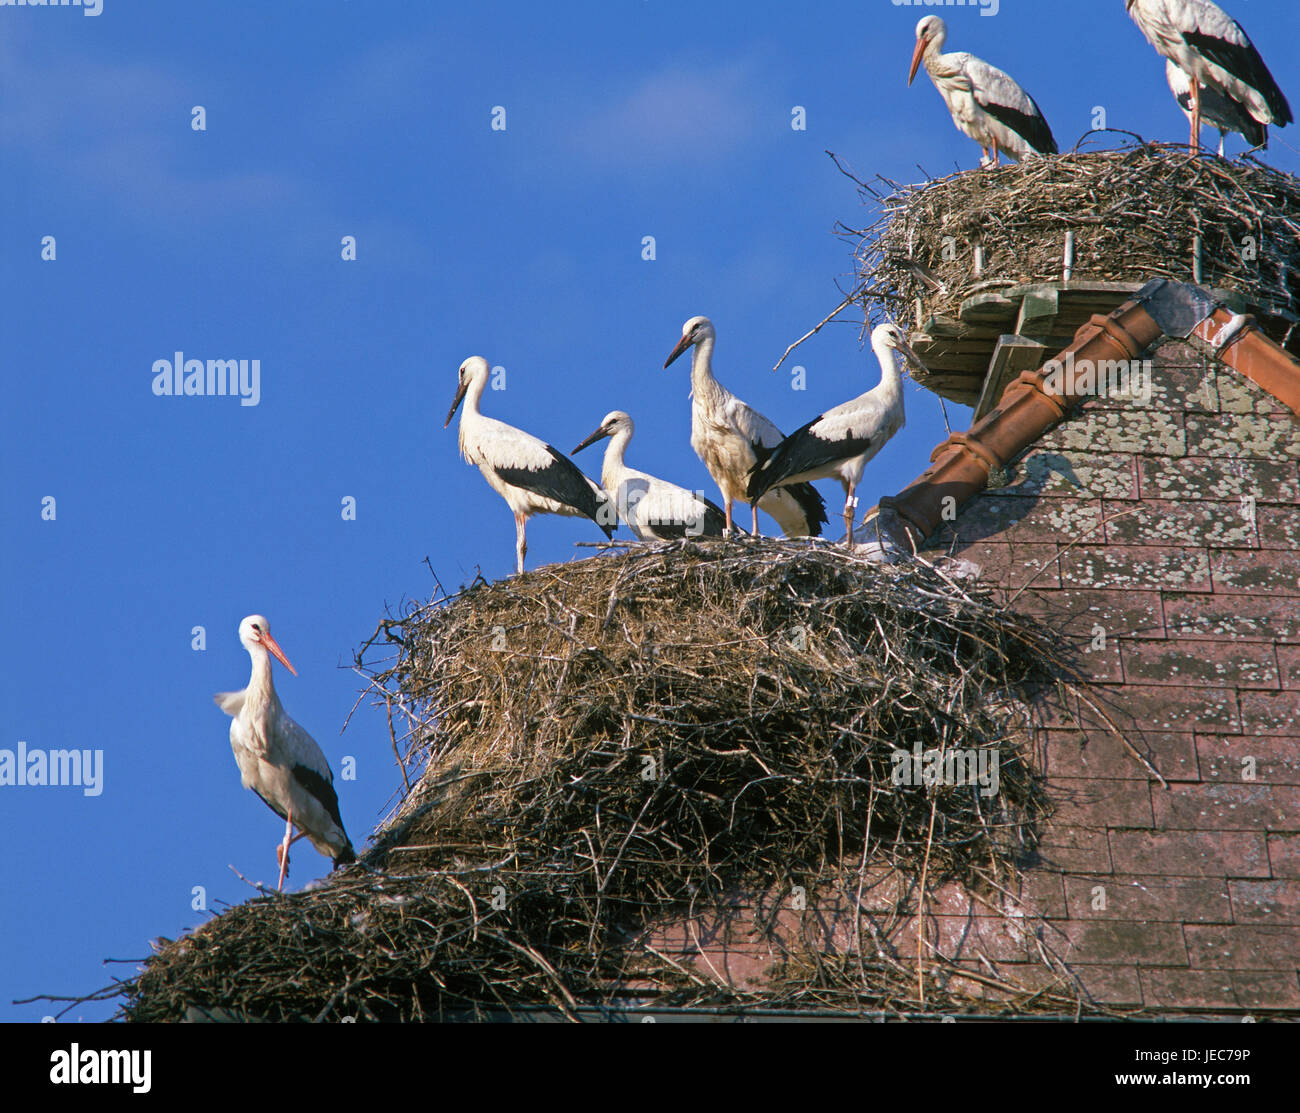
[(623, 120)]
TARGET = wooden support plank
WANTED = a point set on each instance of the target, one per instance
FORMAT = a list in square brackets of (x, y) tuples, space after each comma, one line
[(1038, 310), (1013, 355), (991, 309), (940, 326), (939, 348)]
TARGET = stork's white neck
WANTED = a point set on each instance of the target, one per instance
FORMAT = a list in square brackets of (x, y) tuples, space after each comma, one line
[(703, 385), (477, 385), (611, 470), (936, 62), (891, 379), (261, 689)]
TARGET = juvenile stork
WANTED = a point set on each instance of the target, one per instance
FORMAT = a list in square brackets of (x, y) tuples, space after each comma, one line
[(654, 509), (985, 103), (279, 760), (1219, 60), (527, 472), (838, 443), (1217, 110), (728, 436)]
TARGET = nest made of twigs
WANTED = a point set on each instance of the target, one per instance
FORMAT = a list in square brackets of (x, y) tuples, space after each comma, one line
[(613, 744), (1136, 213)]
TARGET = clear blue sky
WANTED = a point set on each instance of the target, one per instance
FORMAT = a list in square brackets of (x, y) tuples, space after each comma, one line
[(624, 119)]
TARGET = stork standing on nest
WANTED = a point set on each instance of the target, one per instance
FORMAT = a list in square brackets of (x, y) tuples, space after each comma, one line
[(528, 473), (1217, 110), (728, 436), (279, 760), (985, 103), (654, 509), (838, 443), (1226, 78)]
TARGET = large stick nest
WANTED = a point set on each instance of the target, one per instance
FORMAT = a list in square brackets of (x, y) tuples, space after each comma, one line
[(621, 742), (1135, 213)]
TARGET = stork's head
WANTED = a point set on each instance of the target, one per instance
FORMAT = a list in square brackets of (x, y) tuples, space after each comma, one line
[(613, 422), (889, 336), (695, 330), (476, 367), (931, 29), (255, 632)]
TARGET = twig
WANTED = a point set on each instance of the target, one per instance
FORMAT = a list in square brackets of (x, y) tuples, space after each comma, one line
[(255, 884), (816, 328)]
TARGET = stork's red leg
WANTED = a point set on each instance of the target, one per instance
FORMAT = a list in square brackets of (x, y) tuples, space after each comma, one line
[(282, 852), (521, 543), (754, 507), (1196, 114)]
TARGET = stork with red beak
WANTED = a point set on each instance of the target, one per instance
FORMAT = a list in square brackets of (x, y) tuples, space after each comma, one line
[(1220, 64), (984, 102), (279, 760)]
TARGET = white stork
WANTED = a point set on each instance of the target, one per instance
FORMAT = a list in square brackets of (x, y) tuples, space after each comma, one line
[(279, 760), (985, 103), (654, 509), (527, 472), (1217, 110), (726, 435), (838, 443), (1218, 59)]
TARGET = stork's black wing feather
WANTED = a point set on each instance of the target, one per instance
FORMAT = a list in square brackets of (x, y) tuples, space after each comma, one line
[(562, 481), (811, 503), (321, 788), (1243, 61), (1220, 109), (770, 463), (806, 495), (714, 524), (803, 450), (1031, 127)]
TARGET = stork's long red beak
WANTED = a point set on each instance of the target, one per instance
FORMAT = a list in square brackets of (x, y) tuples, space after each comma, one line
[(274, 647), (682, 345), (921, 44), (455, 405)]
